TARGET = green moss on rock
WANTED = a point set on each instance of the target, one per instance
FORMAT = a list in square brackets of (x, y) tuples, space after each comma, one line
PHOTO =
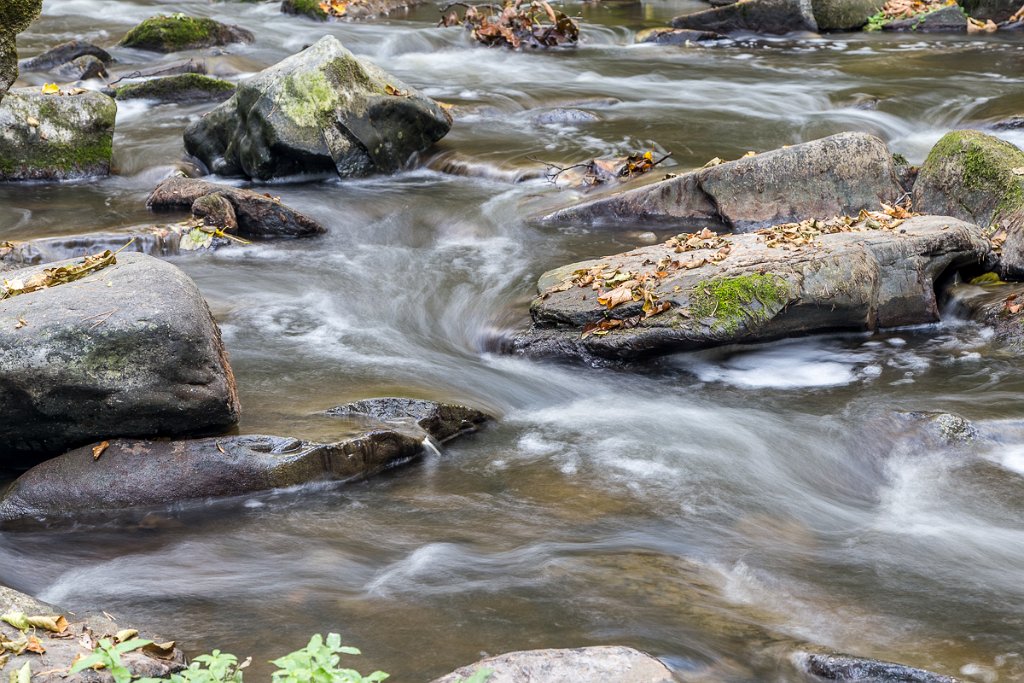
[(178, 88), (732, 301), (170, 33), (309, 8)]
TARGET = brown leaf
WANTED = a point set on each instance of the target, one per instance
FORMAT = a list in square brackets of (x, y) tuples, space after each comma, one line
[(34, 645), (99, 448)]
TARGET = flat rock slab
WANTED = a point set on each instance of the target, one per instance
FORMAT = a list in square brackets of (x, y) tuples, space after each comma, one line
[(55, 137), (256, 214), (62, 649), (839, 667), (860, 280), (179, 88), (945, 20), (130, 350), (837, 175), (607, 664), (442, 421), (676, 36)]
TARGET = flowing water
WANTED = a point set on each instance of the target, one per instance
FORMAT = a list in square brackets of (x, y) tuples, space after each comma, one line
[(704, 507)]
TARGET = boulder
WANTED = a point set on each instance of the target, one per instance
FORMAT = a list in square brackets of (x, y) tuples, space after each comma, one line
[(841, 174), (949, 19), (1012, 123), (255, 214), (65, 53), (189, 87), (978, 178), (753, 16), (995, 10), (356, 9), (995, 306), (442, 421), (844, 15), (839, 667), (55, 136), (676, 36), (171, 33), (319, 111), (81, 69), (77, 640), (130, 350), (693, 292), (133, 473), (15, 17), (608, 664)]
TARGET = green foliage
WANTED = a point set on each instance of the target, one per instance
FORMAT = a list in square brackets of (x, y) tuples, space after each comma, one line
[(877, 21), (216, 667), (318, 663), (108, 655)]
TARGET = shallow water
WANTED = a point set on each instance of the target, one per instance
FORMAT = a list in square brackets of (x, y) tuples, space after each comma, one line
[(702, 508)]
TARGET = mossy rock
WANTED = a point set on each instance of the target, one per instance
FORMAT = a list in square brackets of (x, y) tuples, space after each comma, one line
[(15, 17), (843, 15), (309, 8), (55, 137), (972, 176), (171, 33), (729, 302), (996, 10), (178, 88)]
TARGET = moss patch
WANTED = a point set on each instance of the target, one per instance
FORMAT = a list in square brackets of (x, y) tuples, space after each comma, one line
[(310, 8), (174, 32), (987, 164), (171, 88), (306, 98), (734, 300)]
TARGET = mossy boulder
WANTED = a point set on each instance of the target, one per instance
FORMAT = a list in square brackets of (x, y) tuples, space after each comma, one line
[(844, 15), (15, 17), (859, 280), (179, 88), (308, 8), (356, 9), (130, 350), (756, 16), (321, 111), (55, 137), (171, 33)]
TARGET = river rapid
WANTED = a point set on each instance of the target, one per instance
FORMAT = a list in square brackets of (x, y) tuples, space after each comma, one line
[(704, 507)]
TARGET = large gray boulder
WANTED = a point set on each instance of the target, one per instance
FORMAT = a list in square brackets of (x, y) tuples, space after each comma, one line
[(860, 280), (607, 663), (77, 640), (319, 111), (130, 350), (844, 15), (840, 174), (754, 16), (141, 473), (978, 178), (15, 17), (55, 136)]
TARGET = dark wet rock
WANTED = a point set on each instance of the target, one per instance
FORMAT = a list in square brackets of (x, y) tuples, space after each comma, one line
[(936, 429), (257, 215), (995, 10), (171, 33), (52, 666), (55, 137), (844, 15), (81, 69), (565, 116), (65, 53), (980, 178), (607, 663), (861, 280), (839, 667), (130, 350), (676, 36), (180, 88), (754, 16), (841, 174), (184, 66), (1012, 123), (989, 306), (442, 421), (319, 111), (360, 9), (15, 17), (141, 473), (950, 19)]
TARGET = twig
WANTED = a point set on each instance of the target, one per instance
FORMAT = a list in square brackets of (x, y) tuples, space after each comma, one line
[(552, 177)]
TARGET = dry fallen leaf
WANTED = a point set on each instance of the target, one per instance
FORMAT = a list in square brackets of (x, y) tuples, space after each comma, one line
[(98, 449)]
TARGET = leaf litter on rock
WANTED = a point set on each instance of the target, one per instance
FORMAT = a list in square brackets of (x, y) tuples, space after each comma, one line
[(514, 24)]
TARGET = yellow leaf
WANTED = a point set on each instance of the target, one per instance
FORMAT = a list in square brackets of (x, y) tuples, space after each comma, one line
[(98, 449), (51, 89)]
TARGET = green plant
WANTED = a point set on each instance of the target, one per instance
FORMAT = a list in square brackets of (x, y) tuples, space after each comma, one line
[(216, 667), (107, 655), (318, 662), (877, 21)]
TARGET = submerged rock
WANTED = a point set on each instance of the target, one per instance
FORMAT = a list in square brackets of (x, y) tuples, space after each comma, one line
[(81, 69), (949, 19), (839, 667), (755, 16), (319, 111), (75, 641), (607, 664), (65, 53), (190, 87), (861, 280), (130, 350), (844, 15), (837, 175), (255, 214), (442, 421), (132, 473), (171, 33), (564, 116), (676, 36), (55, 137), (980, 178), (15, 17)]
